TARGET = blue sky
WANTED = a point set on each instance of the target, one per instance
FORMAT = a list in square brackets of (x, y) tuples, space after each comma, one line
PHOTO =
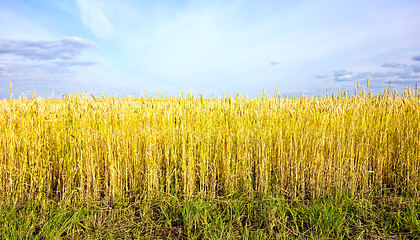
[(126, 46)]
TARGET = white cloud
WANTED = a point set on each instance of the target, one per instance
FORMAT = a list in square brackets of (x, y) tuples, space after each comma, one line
[(397, 77), (43, 65), (416, 58), (94, 18), (391, 65), (416, 68), (66, 48), (345, 77), (342, 75)]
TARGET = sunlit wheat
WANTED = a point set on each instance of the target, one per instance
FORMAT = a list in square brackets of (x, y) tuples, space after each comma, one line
[(89, 149)]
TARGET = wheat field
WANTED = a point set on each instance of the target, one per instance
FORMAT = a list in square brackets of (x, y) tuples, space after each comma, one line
[(84, 149)]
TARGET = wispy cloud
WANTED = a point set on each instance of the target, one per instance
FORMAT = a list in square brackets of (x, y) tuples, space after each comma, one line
[(321, 76), (95, 19), (394, 76), (408, 68), (43, 64), (416, 58), (66, 48), (415, 67), (397, 76), (391, 65), (74, 63), (342, 75)]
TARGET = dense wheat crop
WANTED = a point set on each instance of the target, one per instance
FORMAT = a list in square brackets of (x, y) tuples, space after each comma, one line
[(85, 149)]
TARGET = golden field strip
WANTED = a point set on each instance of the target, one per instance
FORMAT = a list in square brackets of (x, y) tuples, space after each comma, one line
[(82, 149)]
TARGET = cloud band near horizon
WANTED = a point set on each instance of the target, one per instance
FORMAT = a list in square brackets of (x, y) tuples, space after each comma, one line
[(64, 49)]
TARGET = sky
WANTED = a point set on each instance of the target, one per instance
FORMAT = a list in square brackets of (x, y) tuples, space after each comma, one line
[(203, 47)]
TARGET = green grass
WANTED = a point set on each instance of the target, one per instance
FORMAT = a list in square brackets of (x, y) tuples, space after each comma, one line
[(231, 217)]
